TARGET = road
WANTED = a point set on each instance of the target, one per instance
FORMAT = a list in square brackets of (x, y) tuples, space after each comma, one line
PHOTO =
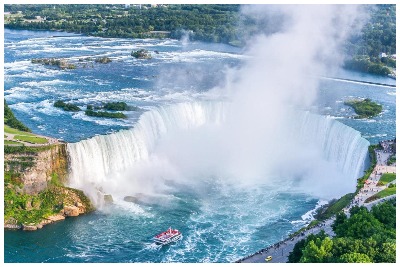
[(280, 251)]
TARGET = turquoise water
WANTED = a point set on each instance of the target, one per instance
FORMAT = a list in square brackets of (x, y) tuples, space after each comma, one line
[(217, 225)]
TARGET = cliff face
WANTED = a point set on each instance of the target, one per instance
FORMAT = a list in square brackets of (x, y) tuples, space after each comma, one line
[(37, 169), (34, 194)]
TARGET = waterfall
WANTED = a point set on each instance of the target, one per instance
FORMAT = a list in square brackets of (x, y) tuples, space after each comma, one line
[(101, 160), (340, 143)]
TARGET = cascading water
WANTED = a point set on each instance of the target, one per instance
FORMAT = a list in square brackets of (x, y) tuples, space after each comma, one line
[(340, 143), (95, 159), (109, 163)]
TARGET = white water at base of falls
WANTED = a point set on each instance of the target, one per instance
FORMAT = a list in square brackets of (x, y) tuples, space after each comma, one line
[(190, 141)]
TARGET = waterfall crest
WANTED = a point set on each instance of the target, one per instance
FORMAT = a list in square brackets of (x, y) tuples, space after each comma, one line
[(100, 161)]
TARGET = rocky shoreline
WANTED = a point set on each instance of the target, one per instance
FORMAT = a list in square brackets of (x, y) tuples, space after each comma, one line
[(68, 211)]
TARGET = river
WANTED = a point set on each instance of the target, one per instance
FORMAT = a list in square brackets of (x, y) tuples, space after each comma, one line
[(217, 225)]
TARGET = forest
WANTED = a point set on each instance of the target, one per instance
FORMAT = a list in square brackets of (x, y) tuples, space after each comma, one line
[(365, 236), (209, 23)]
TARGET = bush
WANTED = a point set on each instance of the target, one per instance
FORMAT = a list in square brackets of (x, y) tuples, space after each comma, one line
[(66, 107), (104, 114), (10, 120), (116, 106)]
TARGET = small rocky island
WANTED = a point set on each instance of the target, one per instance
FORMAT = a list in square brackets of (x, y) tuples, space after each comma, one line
[(104, 110), (141, 54), (60, 63)]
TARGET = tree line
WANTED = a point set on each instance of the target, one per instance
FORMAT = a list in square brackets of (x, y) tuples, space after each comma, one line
[(210, 23), (364, 236)]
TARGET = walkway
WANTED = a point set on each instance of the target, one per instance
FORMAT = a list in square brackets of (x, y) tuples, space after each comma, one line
[(280, 251)]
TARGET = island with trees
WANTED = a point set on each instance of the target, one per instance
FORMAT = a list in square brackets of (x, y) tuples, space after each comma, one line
[(365, 108), (104, 114), (66, 106)]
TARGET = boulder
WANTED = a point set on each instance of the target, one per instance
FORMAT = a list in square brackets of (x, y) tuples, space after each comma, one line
[(55, 218), (71, 211), (108, 199), (131, 199), (29, 227)]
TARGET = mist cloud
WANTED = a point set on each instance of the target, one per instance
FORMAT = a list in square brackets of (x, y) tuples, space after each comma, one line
[(281, 75), (261, 137)]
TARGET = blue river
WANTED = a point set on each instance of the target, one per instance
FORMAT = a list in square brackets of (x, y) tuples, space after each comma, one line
[(216, 222)]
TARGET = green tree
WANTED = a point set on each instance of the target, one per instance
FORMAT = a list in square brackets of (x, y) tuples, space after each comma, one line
[(340, 219), (318, 251), (360, 225), (355, 257), (11, 120), (386, 252), (297, 252), (385, 213)]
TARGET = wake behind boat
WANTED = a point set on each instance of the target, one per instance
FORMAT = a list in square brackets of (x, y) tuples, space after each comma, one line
[(164, 238)]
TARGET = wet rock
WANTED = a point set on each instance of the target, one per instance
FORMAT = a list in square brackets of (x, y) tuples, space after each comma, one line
[(55, 218), (131, 199), (29, 227), (71, 211), (108, 199)]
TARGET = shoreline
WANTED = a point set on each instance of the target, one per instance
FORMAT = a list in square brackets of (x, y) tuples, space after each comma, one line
[(162, 38), (280, 250)]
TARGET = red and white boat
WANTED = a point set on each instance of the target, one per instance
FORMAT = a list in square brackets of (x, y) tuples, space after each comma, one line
[(171, 235)]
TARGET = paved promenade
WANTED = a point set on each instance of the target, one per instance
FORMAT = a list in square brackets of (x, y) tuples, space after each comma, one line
[(280, 251)]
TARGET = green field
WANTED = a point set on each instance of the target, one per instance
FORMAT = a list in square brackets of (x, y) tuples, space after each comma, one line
[(384, 193), (8, 129), (8, 142), (386, 178), (31, 139), (22, 136)]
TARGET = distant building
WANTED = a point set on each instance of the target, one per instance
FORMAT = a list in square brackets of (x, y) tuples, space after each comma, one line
[(381, 55)]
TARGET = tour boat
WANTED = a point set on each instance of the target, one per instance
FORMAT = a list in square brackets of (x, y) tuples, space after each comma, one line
[(171, 235)]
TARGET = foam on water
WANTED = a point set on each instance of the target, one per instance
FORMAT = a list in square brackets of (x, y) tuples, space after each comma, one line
[(100, 121), (216, 224)]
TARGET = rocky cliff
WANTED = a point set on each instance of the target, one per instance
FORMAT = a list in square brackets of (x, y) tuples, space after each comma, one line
[(34, 191), (36, 168)]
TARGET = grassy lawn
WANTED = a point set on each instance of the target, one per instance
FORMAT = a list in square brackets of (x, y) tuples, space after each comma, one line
[(8, 129), (334, 207), (8, 142), (384, 193), (31, 139), (387, 178)]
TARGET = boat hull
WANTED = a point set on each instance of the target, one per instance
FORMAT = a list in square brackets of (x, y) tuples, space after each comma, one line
[(168, 241)]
